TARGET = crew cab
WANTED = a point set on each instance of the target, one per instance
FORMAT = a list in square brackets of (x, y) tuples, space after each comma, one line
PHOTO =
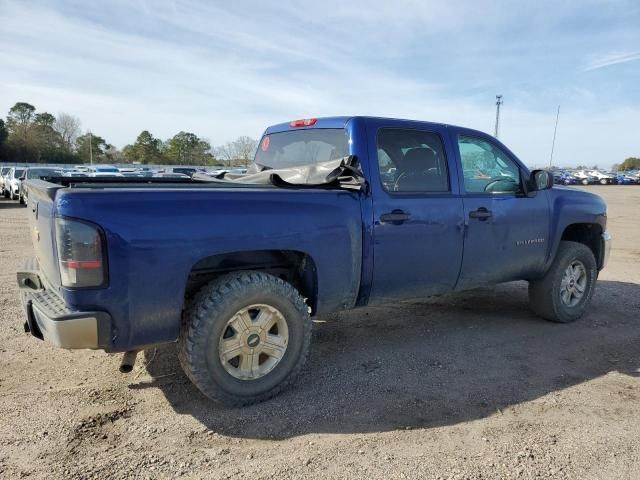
[(234, 270)]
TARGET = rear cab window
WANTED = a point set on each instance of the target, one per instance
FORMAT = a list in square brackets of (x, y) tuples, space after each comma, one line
[(294, 148)]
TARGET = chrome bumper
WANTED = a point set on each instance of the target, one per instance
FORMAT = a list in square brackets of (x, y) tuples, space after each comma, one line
[(606, 251), (50, 319)]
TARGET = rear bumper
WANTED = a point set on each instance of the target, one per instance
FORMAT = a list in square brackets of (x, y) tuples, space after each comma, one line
[(606, 250), (50, 319)]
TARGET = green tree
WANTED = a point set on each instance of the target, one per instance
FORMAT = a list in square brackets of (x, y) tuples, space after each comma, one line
[(3, 138), (146, 149), (45, 141), (90, 146), (19, 125), (631, 163), (186, 148)]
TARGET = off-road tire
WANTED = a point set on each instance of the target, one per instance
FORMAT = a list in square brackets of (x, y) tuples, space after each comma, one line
[(544, 294), (206, 316)]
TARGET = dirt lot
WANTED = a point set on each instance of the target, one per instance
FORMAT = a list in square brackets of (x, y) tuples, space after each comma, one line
[(468, 386)]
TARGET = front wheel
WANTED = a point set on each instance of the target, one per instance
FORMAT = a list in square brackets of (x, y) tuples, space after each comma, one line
[(564, 293), (585, 181), (604, 181), (245, 337)]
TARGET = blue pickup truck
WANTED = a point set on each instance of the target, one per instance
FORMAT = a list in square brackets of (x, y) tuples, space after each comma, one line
[(234, 270)]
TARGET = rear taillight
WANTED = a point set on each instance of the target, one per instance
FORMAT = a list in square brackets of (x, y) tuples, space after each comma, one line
[(79, 254)]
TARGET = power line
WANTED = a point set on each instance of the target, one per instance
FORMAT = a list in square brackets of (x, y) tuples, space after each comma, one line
[(498, 103)]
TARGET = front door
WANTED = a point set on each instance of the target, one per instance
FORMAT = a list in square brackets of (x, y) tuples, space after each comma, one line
[(417, 216), (506, 232)]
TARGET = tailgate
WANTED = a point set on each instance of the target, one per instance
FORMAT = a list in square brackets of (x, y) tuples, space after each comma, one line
[(41, 212)]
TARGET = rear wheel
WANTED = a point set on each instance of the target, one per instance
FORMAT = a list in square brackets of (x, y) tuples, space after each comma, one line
[(564, 293), (584, 181), (245, 337), (603, 181)]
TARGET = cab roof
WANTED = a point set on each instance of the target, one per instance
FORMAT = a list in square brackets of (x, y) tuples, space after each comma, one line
[(341, 122)]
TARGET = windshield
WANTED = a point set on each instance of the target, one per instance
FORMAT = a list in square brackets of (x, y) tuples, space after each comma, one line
[(19, 172), (302, 147), (106, 169)]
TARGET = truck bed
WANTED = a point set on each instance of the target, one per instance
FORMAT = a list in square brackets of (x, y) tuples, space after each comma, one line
[(161, 232)]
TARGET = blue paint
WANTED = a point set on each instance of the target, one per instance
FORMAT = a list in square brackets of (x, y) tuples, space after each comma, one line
[(155, 236)]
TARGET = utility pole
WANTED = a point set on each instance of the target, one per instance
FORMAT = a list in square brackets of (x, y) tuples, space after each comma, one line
[(90, 149), (553, 143), (498, 103)]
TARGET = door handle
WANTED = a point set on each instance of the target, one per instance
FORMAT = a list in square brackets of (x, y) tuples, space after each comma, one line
[(481, 214), (395, 217)]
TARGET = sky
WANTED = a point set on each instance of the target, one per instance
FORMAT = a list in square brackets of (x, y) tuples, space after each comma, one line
[(225, 69)]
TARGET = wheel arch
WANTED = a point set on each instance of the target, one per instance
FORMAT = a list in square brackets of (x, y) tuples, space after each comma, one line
[(589, 234), (295, 267)]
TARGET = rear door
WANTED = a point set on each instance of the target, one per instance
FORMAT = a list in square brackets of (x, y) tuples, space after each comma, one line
[(417, 224), (506, 232)]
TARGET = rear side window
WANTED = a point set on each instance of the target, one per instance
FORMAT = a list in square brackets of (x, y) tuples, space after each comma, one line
[(302, 147), (412, 161)]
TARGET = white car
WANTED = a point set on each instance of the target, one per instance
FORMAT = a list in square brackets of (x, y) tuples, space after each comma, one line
[(3, 174), (602, 177), (72, 172), (12, 183), (104, 171)]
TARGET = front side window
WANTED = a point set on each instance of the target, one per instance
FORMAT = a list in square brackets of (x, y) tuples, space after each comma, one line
[(412, 161), (486, 168)]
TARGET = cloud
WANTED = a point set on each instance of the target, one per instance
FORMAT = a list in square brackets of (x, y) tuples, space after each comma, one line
[(612, 59), (224, 70)]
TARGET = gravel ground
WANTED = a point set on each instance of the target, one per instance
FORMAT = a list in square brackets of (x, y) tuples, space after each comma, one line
[(471, 386)]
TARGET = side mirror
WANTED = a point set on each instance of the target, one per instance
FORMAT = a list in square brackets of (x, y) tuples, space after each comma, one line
[(22, 178), (541, 180)]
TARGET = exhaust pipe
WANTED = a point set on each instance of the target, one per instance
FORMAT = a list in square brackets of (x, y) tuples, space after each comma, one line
[(128, 361)]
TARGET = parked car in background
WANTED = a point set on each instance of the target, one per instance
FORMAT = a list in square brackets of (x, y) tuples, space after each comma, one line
[(585, 179), (12, 182), (104, 171), (170, 175), (3, 174), (603, 178), (32, 173), (625, 180), (188, 171), (72, 172), (565, 178)]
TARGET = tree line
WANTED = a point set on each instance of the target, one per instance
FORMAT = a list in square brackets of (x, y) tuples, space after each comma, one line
[(30, 136)]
